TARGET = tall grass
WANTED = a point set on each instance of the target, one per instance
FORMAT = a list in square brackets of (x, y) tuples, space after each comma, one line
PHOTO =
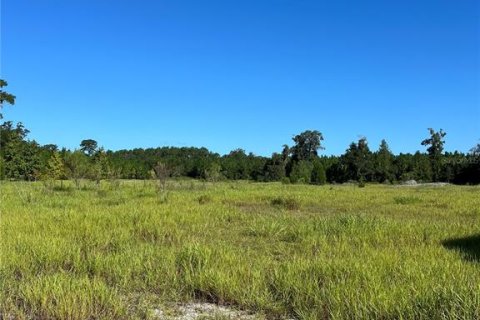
[(307, 252)]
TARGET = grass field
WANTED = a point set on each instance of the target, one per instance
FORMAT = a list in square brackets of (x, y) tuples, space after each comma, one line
[(304, 252)]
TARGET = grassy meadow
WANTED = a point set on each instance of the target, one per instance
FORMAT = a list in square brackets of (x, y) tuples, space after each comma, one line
[(283, 251)]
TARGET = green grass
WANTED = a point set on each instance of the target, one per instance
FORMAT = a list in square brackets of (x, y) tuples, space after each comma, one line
[(307, 252)]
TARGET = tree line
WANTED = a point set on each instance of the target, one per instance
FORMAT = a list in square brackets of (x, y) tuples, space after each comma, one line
[(25, 159)]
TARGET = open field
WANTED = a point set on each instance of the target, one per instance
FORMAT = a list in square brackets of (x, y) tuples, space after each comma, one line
[(296, 251)]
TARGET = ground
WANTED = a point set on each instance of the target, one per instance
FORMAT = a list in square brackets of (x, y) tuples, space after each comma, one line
[(124, 250)]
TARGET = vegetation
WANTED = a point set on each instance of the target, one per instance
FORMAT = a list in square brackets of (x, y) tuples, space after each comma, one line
[(23, 159), (97, 247), (435, 150), (307, 252), (5, 97)]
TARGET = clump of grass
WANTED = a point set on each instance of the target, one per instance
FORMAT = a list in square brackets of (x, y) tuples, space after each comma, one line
[(404, 200), (61, 296), (286, 203), (204, 199)]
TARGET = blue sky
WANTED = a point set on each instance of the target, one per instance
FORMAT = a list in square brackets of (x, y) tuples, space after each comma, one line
[(243, 74)]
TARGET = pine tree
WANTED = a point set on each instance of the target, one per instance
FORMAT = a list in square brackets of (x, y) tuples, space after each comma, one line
[(384, 170), (435, 150)]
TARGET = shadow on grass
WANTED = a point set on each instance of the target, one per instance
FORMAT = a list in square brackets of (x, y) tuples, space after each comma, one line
[(468, 246)]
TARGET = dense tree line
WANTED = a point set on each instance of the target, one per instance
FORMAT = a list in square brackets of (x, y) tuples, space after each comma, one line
[(24, 159)]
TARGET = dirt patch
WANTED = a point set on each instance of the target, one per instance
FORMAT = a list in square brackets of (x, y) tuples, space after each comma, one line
[(203, 311)]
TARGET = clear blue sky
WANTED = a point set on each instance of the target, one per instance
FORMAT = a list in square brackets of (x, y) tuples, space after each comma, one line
[(243, 73)]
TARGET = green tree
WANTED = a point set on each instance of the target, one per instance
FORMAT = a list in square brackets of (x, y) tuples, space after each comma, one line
[(306, 145), (319, 175), (421, 169), (301, 172), (5, 96), (236, 165), (77, 166), (213, 172), (435, 150), (20, 158), (101, 168), (89, 147), (274, 168), (384, 169), (357, 162), (55, 169)]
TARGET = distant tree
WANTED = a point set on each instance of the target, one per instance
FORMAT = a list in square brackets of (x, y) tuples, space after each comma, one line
[(101, 168), (161, 172), (5, 96), (435, 149), (301, 172), (213, 172), (20, 157), (470, 170), (285, 153), (89, 147), (237, 165), (318, 173), (274, 168), (421, 170), (334, 169), (475, 151), (383, 167), (55, 169), (357, 162), (77, 166), (306, 145)]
